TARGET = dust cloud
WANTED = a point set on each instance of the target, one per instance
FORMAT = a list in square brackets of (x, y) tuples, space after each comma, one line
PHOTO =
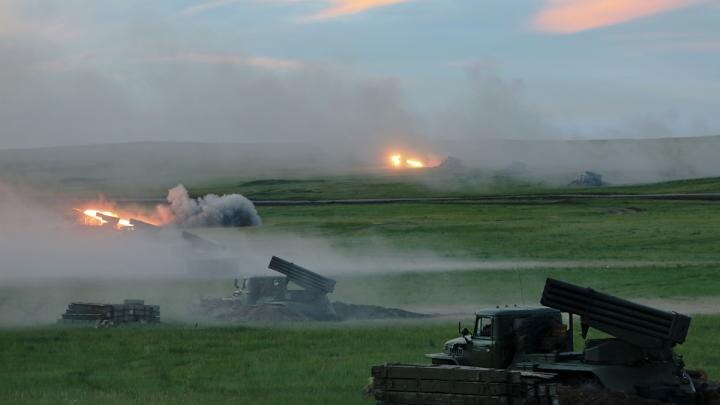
[(50, 259), (231, 210)]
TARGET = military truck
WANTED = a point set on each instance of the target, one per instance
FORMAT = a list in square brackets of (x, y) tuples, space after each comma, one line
[(271, 293), (300, 295), (636, 358)]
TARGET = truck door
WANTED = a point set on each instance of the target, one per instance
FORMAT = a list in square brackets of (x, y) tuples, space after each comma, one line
[(483, 347)]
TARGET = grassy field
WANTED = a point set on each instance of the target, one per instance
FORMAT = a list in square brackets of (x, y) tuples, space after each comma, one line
[(432, 183), (424, 183), (636, 249), (220, 365), (323, 365), (525, 286), (704, 185), (620, 230)]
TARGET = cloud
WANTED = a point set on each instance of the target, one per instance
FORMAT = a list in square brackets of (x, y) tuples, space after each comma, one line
[(570, 16), (333, 9), (700, 46), (228, 59), (209, 5), (345, 7), (16, 21), (175, 96)]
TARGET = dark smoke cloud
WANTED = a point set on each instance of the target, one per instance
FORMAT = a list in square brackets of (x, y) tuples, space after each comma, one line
[(212, 210)]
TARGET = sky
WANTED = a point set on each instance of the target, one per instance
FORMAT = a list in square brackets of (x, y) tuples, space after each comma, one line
[(88, 72)]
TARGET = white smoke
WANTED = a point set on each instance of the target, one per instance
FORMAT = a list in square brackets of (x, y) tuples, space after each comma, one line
[(212, 210)]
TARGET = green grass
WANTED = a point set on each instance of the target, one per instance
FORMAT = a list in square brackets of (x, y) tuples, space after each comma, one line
[(653, 249), (323, 365), (326, 365), (658, 231), (701, 350), (432, 184), (481, 287), (703, 185), (389, 185)]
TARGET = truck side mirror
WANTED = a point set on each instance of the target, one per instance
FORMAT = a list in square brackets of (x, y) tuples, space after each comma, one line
[(465, 332)]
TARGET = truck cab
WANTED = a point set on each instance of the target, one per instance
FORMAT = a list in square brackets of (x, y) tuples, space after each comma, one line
[(500, 334), (257, 290)]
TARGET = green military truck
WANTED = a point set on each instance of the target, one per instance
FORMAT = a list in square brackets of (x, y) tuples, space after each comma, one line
[(271, 293), (534, 348)]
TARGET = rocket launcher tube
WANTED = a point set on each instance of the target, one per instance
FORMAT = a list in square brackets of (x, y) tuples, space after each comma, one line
[(302, 276), (635, 323)]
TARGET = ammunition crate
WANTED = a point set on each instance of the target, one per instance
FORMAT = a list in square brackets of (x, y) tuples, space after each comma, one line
[(445, 384)]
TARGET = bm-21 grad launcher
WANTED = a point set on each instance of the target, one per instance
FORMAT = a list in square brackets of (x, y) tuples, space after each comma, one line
[(278, 299), (310, 302), (521, 355)]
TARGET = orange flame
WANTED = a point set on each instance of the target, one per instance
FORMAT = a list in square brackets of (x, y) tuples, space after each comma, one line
[(397, 161), (98, 216), (92, 218)]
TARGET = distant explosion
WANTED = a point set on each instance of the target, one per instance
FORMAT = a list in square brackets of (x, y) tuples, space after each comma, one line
[(230, 210), (400, 161)]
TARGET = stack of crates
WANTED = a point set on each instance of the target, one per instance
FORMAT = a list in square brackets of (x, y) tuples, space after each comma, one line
[(130, 311), (86, 312), (135, 311), (446, 384)]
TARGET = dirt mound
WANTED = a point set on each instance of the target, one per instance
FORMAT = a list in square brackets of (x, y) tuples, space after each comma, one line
[(347, 311), (225, 310), (262, 313)]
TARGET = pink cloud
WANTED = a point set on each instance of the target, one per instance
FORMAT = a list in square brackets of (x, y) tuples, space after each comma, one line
[(569, 16), (206, 6), (334, 8), (339, 8)]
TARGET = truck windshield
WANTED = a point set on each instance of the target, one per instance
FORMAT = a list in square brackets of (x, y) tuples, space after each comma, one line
[(484, 326)]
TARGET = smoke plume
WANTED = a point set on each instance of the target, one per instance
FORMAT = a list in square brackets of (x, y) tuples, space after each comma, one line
[(212, 210)]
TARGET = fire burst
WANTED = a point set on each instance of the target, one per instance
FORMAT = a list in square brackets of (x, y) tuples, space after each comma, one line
[(112, 217), (94, 217), (397, 161)]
